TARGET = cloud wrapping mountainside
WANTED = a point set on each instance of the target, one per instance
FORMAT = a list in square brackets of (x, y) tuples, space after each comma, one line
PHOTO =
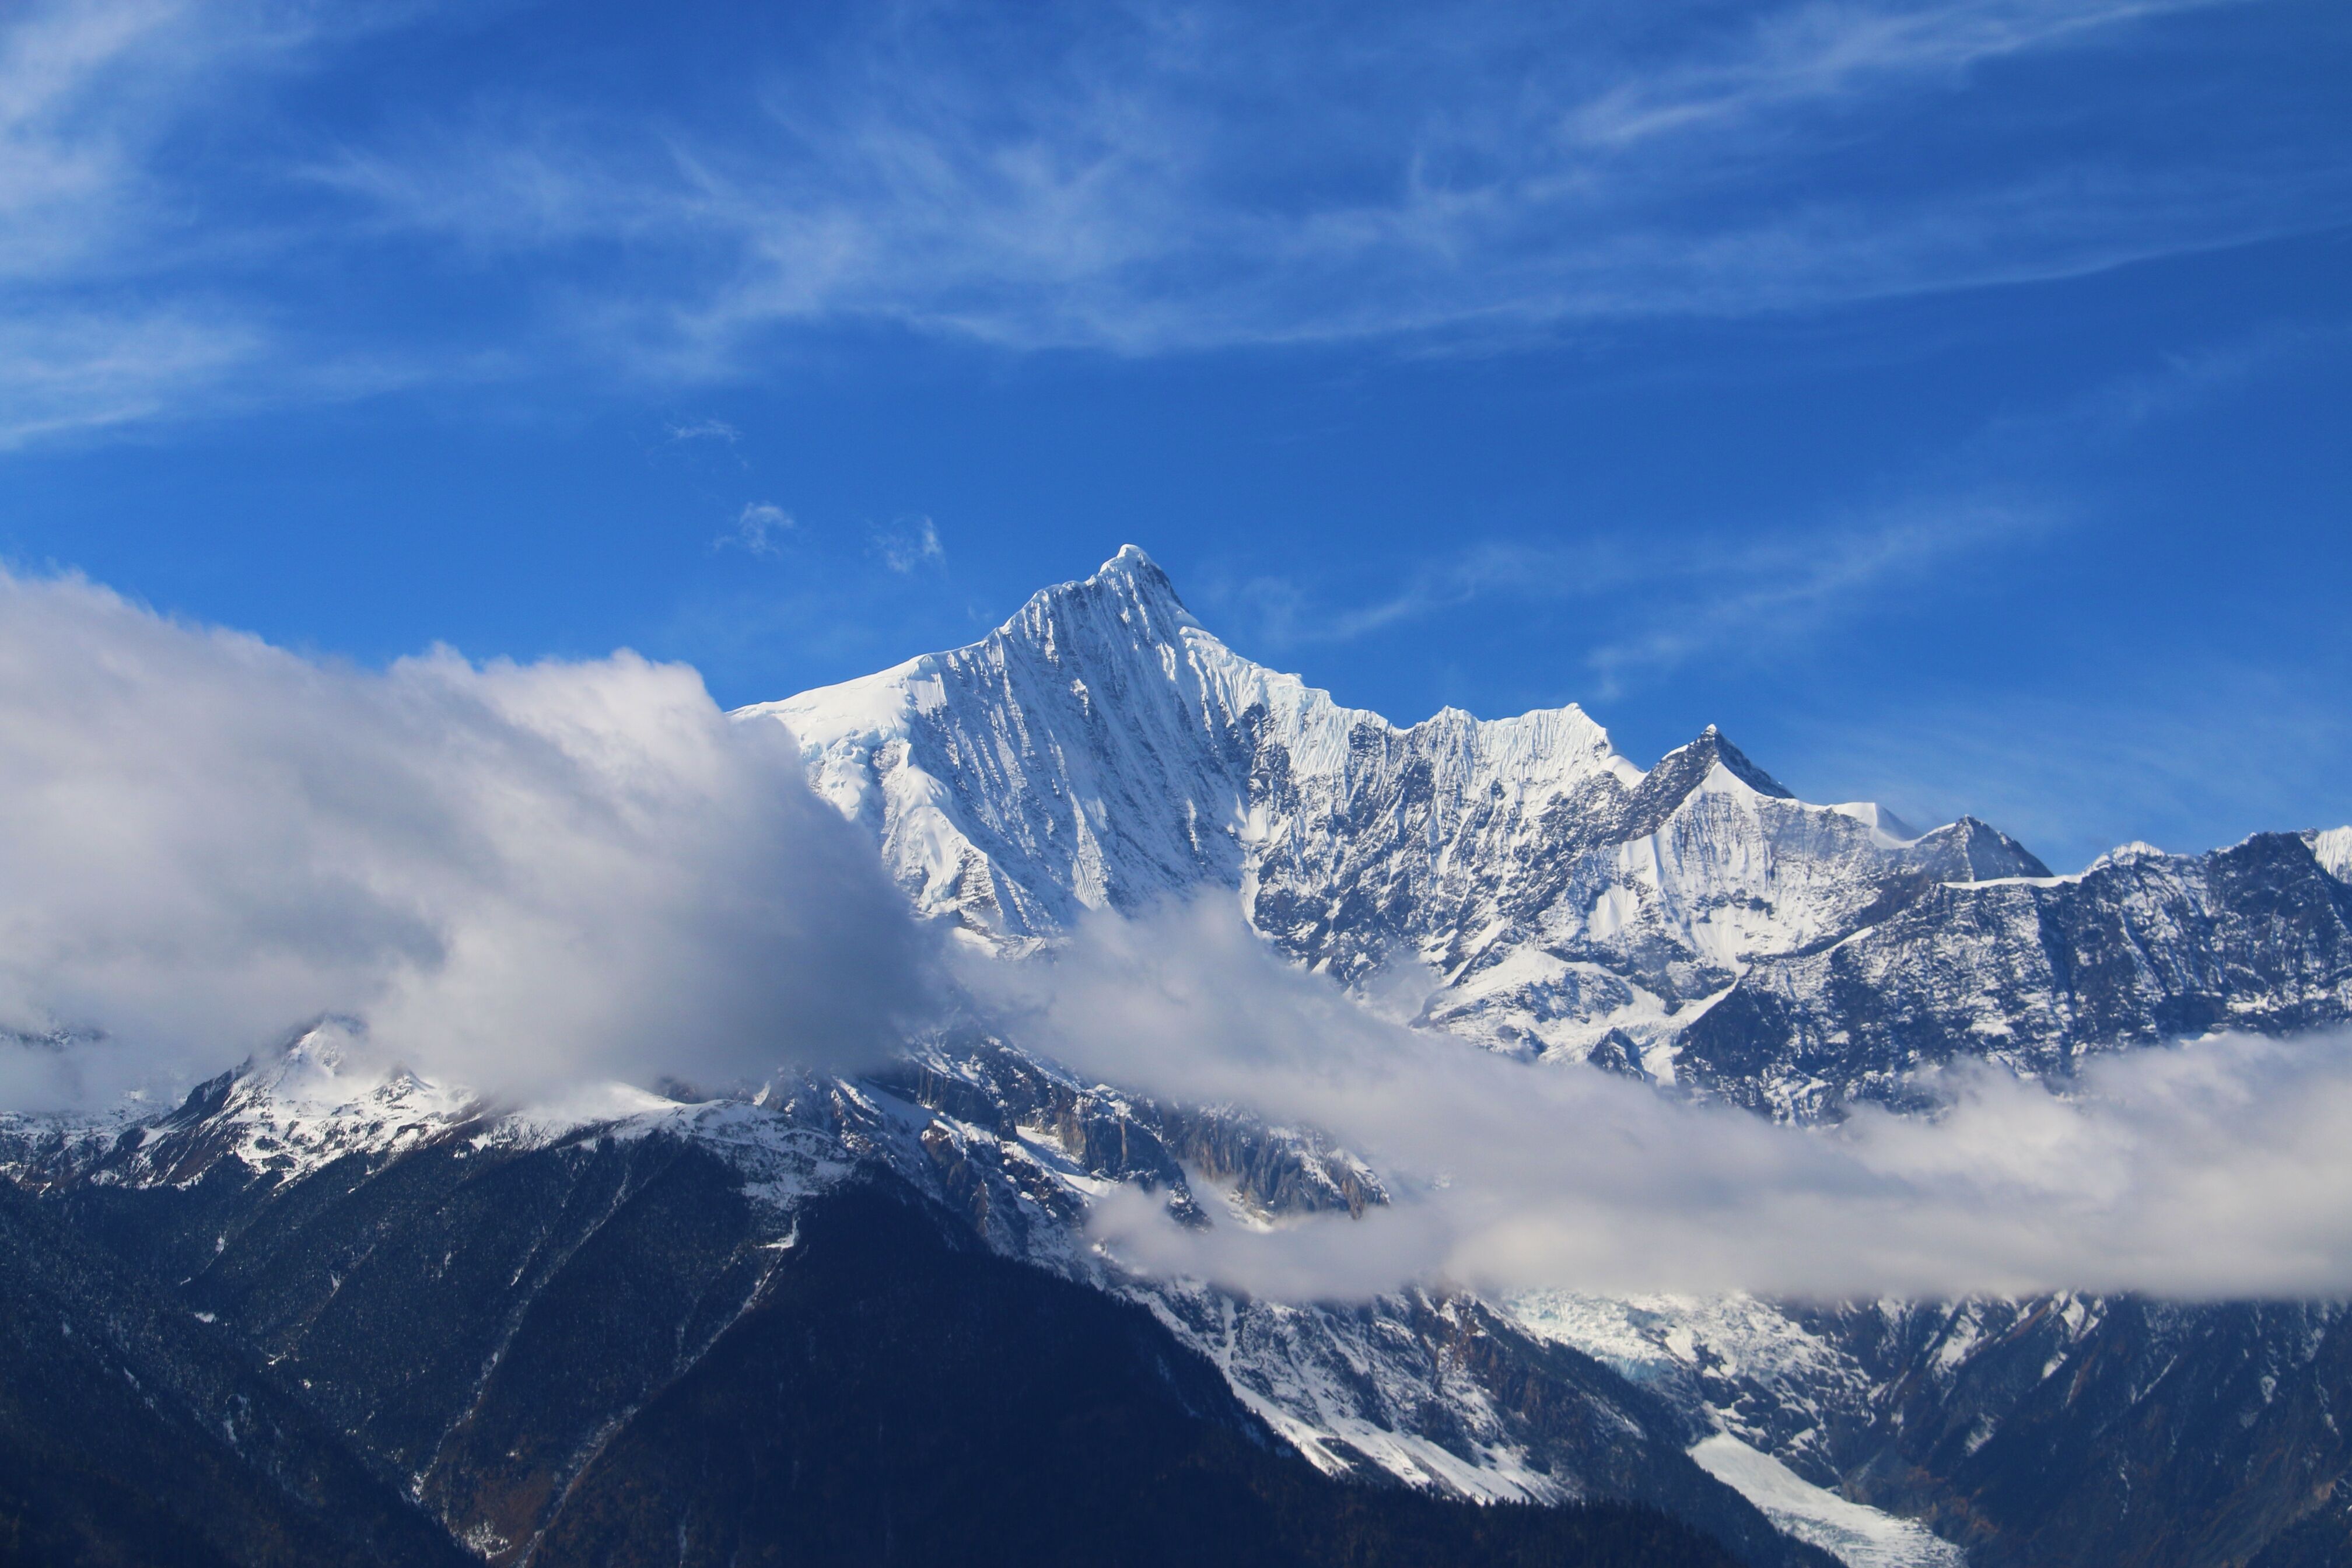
[(513, 874), (2212, 1170)]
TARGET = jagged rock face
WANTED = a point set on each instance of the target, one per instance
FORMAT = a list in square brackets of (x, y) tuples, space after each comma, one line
[(1692, 923), (838, 1421), (2036, 972), (469, 1316), (2056, 1432), (1102, 750), (2119, 1431), (1088, 754), (1436, 1390), (529, 1321), (2067, 1430)]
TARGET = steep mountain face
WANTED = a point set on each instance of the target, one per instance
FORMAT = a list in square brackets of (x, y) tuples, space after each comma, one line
[(1102, 750), (835, 1421), (523, 1316), (133, 1430), (637, 1327), (1692, 923), (2060, 1430), (2034, 972), (2163, 1434), (614, 1337)]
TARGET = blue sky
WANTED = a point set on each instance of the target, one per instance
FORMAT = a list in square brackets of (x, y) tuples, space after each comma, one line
[(1949, 399)]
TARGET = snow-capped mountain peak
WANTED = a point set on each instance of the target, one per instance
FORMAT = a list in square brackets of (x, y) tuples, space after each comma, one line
[(1714, 749), (1103, 748)]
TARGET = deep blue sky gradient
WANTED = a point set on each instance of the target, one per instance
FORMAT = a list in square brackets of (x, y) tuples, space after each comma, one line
[(1949, 399)]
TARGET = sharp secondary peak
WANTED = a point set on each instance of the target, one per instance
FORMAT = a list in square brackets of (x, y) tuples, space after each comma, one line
[(1711, 746)]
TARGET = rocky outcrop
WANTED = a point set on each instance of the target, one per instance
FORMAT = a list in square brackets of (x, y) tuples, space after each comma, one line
[(2036, 973)]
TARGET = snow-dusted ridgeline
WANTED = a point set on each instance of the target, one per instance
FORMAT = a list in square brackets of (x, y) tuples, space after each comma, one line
[(1691, 921), (1101, 749)]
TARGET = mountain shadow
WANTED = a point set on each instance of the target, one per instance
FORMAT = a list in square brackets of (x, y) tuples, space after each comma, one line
[(134, 1433)]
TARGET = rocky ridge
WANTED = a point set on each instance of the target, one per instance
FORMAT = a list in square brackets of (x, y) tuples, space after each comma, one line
[(1102, 750), (588, 1258), (1692, 923)]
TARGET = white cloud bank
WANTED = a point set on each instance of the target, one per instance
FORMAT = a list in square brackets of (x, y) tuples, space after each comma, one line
[(2219, 1169), (513, 874)]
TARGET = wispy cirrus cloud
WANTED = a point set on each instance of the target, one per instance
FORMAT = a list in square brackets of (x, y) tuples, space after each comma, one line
[(1786, 589), (128, 282), (74, 156), (908, 542), (1149, 180), (1143, 180), (1816, 52), (73, 182), (1649, 605), (2185, 757), (78, 370)]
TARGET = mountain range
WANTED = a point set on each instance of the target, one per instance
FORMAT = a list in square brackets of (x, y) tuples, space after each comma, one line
[(336, 1314)]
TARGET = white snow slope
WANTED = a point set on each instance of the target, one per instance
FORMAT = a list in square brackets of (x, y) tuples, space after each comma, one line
[(1102, 749)]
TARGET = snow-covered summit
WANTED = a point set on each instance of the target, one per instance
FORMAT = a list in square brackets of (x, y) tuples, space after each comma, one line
[(1099, 750), (1103, 748)]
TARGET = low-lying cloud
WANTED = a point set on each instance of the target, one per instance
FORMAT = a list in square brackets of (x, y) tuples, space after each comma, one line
[(509, 874), (2222, 1168)]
